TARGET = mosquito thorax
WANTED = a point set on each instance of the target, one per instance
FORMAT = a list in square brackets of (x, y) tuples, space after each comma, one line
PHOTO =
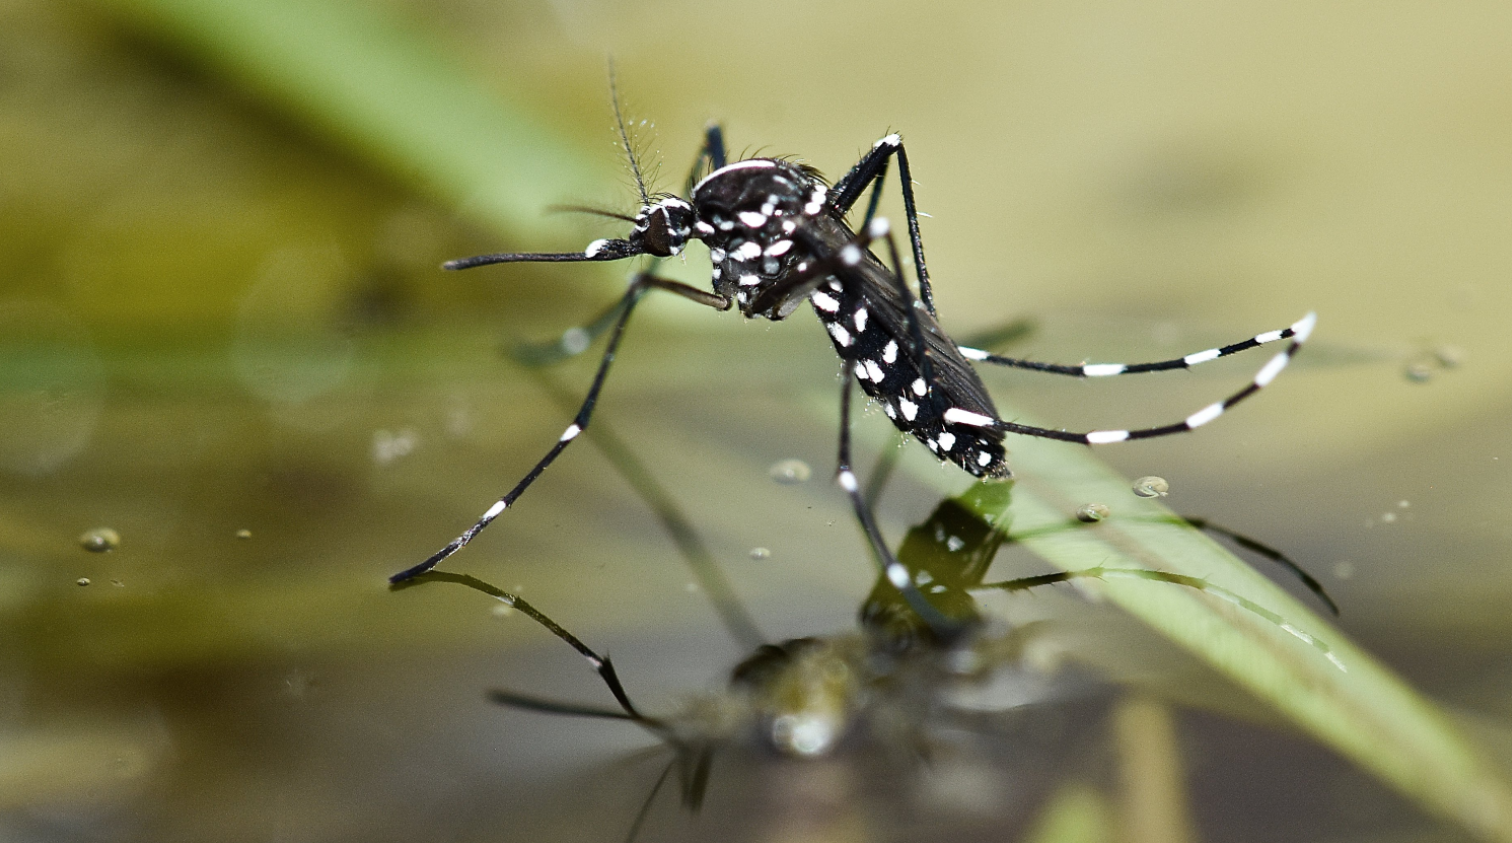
[(663, 226), (748, 212)]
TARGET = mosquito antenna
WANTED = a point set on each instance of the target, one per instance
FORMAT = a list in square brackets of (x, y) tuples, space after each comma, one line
[(619, 123), (584, 209)]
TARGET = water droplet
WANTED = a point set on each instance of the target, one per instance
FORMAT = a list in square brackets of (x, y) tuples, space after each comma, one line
[(760, 553), (244, 534), (83, 580), (1093, 512), (1152, 487), (388, 447), (100, 540), (789, 472), (1449, 356), (575, 340)]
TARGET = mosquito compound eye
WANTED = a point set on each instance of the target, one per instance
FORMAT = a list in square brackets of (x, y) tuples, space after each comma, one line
[(667, 230)]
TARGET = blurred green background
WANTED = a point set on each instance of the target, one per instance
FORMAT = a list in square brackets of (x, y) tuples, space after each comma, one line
[(220, 311)]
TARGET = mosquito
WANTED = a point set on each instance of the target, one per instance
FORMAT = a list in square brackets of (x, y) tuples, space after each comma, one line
[(777, 235)]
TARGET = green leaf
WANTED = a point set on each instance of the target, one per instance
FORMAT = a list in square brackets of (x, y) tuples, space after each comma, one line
[(378, 86), (1345, 698)]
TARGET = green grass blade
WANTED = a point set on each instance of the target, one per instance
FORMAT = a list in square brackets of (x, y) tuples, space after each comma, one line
[(404, 105), (1344, 698), (382, 89)]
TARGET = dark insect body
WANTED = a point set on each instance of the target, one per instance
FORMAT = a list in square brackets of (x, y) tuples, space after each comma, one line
[(777, 235)]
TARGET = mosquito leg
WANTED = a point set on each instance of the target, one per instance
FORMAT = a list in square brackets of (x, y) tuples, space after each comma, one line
[(712, 154), (638, 287), (1102, 370), (872, 168), (1197, 583), (601, 664), (1268, 373), (1260, 549), (942, 627)]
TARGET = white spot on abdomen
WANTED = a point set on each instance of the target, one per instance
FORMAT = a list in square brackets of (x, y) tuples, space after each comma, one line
[(956, 415)]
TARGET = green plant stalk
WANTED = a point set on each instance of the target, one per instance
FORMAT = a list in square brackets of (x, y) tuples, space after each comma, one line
[(1363, 710), (381, 88), (403, 105)]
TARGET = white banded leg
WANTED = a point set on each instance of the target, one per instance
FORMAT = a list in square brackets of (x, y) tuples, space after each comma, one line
[(639, 286), (872, 169), (1299, 334), (943, 628), (1102, 370)]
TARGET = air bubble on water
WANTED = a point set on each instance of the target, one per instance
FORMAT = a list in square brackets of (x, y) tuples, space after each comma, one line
[(388, 447), (789, 472), (575, 340), (1418, 372), (502, 610), (244, 534), (83, 581), (1343, 570), (1388, 518), (760, 553), (1152, 487), (1092, 512), (100, 540), (691, 588)]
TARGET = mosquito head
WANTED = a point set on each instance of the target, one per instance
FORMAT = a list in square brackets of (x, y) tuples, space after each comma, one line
[(663, 226)]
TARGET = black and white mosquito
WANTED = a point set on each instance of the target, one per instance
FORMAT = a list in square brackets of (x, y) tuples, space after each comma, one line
[(777, 234)]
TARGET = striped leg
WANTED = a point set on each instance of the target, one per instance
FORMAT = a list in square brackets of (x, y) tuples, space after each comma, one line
[(1299, 334), (601, 664), (943, 628), (1102, 370), (642, 284), (872, 169), (1198, 583), (711, 156)]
